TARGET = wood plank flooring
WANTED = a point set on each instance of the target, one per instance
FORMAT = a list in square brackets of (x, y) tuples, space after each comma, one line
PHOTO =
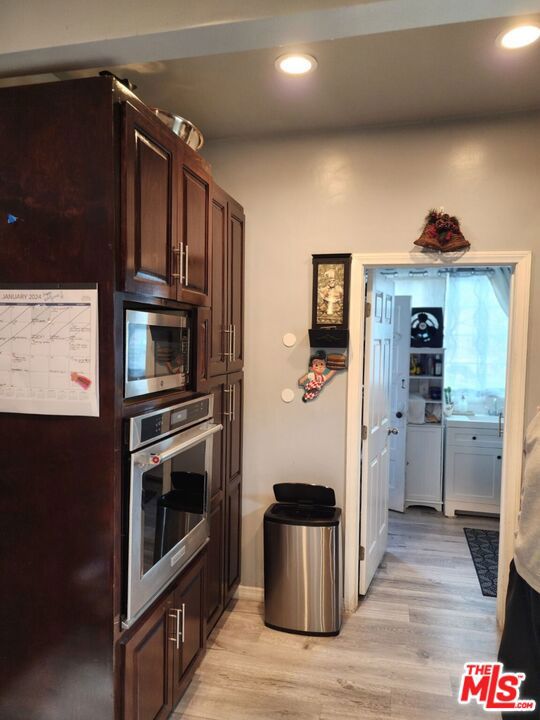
[(400, 656)]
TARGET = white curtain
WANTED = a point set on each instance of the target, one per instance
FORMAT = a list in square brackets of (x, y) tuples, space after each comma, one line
[(424, 291), (475, 332), (500, 280)]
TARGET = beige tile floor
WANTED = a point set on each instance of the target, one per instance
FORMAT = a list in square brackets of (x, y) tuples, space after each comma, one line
[(400, 656)]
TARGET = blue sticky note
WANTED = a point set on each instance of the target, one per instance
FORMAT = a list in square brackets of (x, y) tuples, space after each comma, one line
[(12, 219)]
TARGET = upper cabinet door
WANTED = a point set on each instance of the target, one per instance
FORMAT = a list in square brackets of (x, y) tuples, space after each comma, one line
[(149, 205), (195, 237), (220, 331), (236, 285)]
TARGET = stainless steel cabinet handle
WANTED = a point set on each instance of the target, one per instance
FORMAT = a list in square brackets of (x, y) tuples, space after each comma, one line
[(228, 412), (178, 254), (176, 615), (233, 418), (233, 351), (183, 622), (187, 265), (231, 340), (226, 353)]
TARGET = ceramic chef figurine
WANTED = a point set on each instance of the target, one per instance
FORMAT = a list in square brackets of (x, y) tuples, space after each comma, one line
[(316, 377)]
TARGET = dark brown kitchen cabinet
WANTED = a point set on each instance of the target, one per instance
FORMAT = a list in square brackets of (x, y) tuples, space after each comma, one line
[(106, 194), (224, 550), (147, 687), (189, 619), (166, 212), (160, 657), (194, 223), (226, 345), (150, 202), (215, 598), (215, 594), (236, 225), (233, 484), (220, 326), (202, 377)]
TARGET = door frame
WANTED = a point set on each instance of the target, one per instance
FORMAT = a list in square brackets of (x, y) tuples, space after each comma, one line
[(518, 323)]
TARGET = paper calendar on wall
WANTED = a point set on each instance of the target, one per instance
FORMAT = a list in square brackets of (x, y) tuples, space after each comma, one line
[(49, 350)]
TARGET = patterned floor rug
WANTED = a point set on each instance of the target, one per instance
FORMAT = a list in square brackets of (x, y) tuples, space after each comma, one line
[(484, 547)]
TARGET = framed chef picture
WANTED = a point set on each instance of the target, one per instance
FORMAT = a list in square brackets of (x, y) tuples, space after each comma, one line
[(331, 280)]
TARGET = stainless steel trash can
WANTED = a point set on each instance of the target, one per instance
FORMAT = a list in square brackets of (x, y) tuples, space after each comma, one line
[(302, 560)]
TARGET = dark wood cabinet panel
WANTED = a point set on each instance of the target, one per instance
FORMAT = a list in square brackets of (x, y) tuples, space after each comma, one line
[(233, 539), (233, 484), (147, 693), (236, 284), (189, 605), (218, 388), (149, 204), (161, 655), (216, 559), (220, 331), (202, 378), (194, 209), (234, 441), (226, 505)]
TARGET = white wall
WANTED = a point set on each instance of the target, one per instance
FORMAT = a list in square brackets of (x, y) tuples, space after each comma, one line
[(354, 192)]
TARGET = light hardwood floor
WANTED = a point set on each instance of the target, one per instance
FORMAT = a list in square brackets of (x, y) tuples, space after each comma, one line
[(400, 656)]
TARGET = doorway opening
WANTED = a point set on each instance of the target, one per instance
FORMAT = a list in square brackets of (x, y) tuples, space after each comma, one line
[(356, 505), (435, 366)]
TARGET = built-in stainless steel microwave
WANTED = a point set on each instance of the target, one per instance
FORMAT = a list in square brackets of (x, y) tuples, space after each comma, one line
[(158, 351)]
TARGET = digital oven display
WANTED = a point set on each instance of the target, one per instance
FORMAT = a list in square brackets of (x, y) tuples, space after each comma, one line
[(178, 417)]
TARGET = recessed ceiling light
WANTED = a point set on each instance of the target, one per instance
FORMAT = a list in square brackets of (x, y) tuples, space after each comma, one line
[(296, 64), (520, 36)]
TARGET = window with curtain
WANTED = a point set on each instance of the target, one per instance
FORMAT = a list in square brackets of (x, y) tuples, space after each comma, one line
[(476, 332)]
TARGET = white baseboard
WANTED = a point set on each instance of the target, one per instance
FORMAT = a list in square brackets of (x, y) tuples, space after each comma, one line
[(245, 592)]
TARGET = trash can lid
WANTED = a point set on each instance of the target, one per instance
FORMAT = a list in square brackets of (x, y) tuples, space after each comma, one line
[(305, 494), (311, 515)]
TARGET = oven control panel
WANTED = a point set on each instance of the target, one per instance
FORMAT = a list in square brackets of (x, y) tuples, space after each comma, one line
[(160, 423)]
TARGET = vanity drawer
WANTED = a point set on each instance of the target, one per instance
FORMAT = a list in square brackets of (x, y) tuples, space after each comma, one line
[(471, 436)]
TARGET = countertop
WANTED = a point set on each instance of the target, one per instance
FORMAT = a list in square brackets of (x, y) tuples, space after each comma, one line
[(478, 421)]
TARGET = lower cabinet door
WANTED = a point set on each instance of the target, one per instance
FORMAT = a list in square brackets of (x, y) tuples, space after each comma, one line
[(189, 607), (423, 484), (147, 690), (473, 478), (233, 543), (216, 557)]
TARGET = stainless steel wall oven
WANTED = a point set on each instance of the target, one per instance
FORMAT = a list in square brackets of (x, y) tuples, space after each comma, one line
[(170, 466)]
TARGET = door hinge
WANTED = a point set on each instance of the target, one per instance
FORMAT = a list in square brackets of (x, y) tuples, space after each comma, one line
[(362, 552), (368, 309), (364, 432)]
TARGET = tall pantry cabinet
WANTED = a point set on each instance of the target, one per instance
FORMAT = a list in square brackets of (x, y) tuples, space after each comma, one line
[(225, 360), (94, 189)]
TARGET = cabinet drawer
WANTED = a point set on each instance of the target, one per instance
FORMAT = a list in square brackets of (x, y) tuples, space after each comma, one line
[(481, 437)]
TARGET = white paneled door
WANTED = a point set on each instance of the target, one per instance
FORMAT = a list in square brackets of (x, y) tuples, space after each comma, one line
[(401, 356), (377, 426)]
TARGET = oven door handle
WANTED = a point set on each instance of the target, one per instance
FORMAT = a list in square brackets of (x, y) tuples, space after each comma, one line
[(158, 458)]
